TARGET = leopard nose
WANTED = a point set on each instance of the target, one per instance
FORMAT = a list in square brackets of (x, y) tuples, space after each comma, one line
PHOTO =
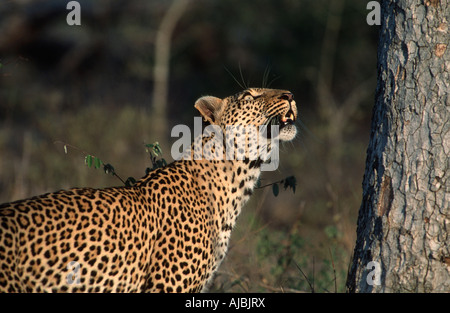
[(287, 96)]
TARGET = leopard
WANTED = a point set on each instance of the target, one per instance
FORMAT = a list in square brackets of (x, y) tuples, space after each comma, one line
[(169, 232)]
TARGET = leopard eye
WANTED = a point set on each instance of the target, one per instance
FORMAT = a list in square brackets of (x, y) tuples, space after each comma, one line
[(247, 96)]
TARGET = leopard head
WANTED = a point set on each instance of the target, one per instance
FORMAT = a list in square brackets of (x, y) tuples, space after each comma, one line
[(258, 108)]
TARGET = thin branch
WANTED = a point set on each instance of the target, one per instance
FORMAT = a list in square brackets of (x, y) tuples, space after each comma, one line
[(280, 289), (85, 153), (311, 285), (334, 271), (270, 184)]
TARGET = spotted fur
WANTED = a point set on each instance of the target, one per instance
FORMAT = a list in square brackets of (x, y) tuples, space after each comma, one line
[(167, 233)]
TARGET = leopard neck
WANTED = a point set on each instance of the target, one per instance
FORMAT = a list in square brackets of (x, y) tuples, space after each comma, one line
[(227, 185)]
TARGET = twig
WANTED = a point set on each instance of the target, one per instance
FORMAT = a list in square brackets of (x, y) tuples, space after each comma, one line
[(311, 285), (108, 168), (264, 186), (334, 271), (280, 289)]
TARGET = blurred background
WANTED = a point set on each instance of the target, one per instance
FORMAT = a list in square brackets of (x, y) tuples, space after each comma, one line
[(133, 69)]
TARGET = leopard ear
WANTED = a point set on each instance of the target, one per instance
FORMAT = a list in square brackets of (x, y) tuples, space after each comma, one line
[(210, 108)]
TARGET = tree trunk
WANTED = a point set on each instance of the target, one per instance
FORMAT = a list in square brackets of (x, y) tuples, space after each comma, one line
[(162, 67), (404, 221)]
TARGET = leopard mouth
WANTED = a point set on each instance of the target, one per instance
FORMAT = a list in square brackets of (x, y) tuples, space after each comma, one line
[(286, 120), (282, 121)]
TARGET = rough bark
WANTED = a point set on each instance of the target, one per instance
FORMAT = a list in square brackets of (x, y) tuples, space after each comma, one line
[(404, 218)]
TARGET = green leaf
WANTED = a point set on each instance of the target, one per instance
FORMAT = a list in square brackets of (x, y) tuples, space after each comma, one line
[(157, 150), (97, 163), (65, 149), (160, 163), (275, 189), (290, 182), (109, 169), (130, 181), (88, 160)]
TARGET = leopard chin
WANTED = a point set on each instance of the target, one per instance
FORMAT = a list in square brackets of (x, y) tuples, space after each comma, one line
[(288, 132)]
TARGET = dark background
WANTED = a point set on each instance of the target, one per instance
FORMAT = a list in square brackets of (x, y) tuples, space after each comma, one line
[(91, 87)]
